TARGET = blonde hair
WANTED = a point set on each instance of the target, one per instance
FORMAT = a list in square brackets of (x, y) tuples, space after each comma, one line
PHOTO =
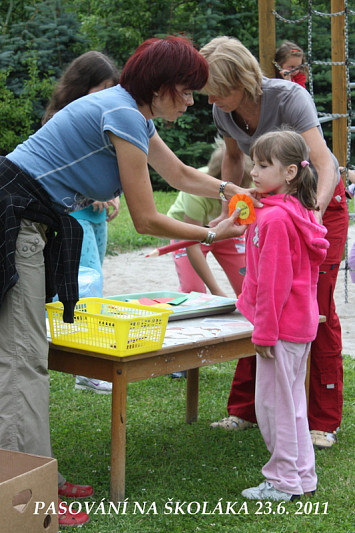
[(231, 66), (289, 148)]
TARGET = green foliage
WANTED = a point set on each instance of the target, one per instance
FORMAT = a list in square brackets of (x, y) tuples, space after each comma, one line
[(59, 30), (44, 27), (17, 111), (43, 30), (117, 26)]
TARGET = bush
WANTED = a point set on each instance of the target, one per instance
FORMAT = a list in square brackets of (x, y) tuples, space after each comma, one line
[(17, 111)]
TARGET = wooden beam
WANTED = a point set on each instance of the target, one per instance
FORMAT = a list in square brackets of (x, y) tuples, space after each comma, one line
[(339, 98), (267, 37)]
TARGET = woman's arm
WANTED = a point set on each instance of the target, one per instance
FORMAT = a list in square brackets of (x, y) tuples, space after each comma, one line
[(324, 165), (135, 180), (183, 177)]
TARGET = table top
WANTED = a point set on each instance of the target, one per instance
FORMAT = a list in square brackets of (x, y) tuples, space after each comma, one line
[(184, 334), (181, 334)]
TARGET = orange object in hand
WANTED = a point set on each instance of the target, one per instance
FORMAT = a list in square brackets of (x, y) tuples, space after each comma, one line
[(245, 204)]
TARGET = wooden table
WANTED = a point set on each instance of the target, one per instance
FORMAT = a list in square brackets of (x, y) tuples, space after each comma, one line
[(188, 345)]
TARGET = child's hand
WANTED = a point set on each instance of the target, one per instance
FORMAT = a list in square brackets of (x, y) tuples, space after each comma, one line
[(350, 174), (264, 351), (112, 208), (286, 75)]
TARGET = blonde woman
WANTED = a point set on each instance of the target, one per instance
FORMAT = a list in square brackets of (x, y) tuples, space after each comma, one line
[(246, 104)]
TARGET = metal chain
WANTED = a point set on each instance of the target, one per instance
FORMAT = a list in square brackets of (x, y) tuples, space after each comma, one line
[(309, 54), (349, 124)]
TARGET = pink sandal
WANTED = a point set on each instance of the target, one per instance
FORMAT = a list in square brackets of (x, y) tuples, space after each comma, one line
[(66, 518), (69, 490)]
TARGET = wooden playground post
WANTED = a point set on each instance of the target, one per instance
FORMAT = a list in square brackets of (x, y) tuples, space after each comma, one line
[(267, 37), (339, 94)]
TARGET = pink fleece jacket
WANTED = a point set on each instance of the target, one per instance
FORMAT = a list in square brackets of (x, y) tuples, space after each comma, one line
[(285, 247)]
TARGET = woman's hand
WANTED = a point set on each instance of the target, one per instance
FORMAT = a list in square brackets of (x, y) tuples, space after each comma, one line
[(213, 223), (256, 197), (228, 227)]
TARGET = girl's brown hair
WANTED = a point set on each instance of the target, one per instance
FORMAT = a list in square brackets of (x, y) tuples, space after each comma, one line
[(85, 72), (286, 50), (289, 148)]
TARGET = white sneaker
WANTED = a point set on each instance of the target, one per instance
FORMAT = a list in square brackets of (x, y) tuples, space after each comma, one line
[(266, 491), (97, 385), (233, 423)]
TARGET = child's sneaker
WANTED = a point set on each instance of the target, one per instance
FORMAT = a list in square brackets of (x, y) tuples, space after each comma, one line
[(69, 518), (266, 491), (233, 423), (177, 375), (323, 439), (71, 490), (97, 385)]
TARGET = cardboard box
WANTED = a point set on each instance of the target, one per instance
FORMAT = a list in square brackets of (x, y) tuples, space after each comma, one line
[(28, 488)]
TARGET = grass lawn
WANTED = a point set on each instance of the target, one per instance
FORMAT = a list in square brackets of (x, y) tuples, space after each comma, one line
[(179, 477), (122, 237)]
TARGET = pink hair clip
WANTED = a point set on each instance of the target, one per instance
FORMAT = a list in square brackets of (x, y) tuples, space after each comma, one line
[(304, 163)]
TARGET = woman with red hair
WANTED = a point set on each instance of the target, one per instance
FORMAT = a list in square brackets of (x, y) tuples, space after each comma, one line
[(111, 134)]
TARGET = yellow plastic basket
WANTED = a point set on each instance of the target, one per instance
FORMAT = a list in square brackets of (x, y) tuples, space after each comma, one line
[(109, 326)]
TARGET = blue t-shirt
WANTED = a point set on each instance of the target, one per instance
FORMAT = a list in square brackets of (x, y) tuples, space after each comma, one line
[(71, 155)]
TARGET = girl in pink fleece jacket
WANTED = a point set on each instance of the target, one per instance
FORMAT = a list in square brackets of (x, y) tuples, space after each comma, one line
[(285, 247)]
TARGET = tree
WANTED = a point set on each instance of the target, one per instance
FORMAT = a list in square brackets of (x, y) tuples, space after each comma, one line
[(59, 30), (43, 32), (17, 111)]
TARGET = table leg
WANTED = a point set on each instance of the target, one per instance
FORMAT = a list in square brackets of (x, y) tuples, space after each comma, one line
[(118, 434), (192, 395)]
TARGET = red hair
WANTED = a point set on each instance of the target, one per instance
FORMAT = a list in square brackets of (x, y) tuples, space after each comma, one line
[(161, 64)]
